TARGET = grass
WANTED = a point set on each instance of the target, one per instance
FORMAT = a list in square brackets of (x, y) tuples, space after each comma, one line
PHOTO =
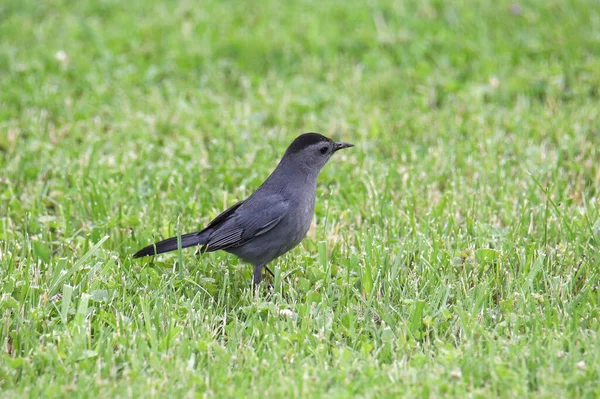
[(455, 248)]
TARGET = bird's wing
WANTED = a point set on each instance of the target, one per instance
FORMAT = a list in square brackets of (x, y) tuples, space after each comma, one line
[(222, 217), (248, 222)]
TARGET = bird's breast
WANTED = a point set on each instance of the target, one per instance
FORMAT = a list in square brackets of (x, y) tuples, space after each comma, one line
[(303, 218)]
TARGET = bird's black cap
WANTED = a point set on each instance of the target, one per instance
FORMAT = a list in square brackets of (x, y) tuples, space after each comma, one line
[(305, 140)]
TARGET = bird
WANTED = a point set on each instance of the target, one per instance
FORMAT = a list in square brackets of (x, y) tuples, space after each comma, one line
[(272, 220)]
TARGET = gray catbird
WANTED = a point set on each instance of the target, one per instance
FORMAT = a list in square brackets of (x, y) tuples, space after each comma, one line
[(275, 218)]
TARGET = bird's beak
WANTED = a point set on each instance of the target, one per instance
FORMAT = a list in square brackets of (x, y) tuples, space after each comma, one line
[(341, 146)]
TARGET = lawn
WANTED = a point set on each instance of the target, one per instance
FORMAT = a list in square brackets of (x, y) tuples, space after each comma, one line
[(455, 248)]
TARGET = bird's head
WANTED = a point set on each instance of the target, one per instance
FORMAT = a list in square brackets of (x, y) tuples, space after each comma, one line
[(313, 150)]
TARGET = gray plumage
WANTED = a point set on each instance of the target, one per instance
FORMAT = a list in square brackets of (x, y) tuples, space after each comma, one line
[(275, 218)]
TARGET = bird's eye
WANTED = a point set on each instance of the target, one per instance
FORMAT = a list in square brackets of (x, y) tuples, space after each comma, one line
[(323, 150)]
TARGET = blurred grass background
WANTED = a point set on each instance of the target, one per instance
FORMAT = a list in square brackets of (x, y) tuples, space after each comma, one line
[(454, 251)]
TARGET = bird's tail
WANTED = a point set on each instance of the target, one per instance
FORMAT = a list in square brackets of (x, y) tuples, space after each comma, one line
[(170, 244)]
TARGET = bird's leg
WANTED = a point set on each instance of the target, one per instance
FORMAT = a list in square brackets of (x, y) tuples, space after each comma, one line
[(270, 272), (257, 276)]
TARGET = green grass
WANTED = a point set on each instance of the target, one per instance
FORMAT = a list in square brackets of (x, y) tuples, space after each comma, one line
[(455, 248)]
